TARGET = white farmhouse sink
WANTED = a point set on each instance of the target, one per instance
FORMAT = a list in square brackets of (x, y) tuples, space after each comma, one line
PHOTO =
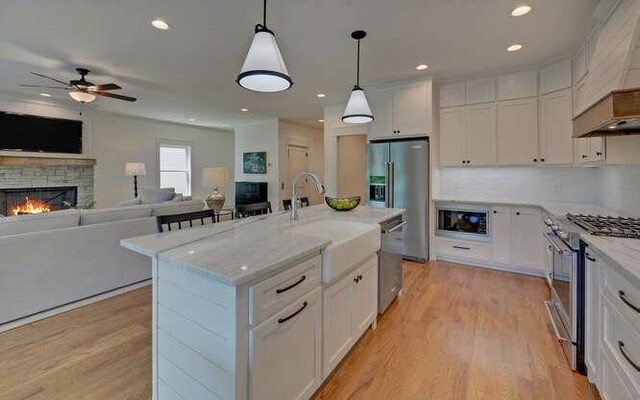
[(351, 243)]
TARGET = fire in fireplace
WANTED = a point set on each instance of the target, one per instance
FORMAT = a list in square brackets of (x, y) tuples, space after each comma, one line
[(37, 200)]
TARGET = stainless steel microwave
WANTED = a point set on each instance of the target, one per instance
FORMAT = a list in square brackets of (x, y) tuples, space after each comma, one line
[(463, 222)]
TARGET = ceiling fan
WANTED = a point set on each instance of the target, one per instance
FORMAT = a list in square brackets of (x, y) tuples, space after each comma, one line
[(82, 90)]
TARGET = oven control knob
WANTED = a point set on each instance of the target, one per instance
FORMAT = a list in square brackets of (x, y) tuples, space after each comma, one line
[(563, 235), (548, 222), (555, 227)]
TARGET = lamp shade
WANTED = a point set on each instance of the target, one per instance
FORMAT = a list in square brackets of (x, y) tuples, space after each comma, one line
[(214, 177), (82, 97), (358, 110), (134, 169), (263, 69)]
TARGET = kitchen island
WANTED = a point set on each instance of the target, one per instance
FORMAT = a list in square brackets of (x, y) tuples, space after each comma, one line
[(261, 308)]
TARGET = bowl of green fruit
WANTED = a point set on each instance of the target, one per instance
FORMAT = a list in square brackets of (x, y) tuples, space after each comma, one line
[(343, 203)]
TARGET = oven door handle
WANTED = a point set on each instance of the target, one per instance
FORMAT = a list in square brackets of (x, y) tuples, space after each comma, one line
[(555, 245), (548, 305)]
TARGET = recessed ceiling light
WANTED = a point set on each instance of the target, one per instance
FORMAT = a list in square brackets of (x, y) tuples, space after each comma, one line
[(45, 95), (160, 24), (421, 67), (244, 109), (192, 120), (320, 120), (321, 95), (520, 10), (514, 47)]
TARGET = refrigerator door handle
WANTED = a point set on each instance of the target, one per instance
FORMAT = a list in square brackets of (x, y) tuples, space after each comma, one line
[(392, 184), (387, 185)]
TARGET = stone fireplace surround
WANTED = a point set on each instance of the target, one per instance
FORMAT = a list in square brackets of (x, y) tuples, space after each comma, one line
[(25, 177)]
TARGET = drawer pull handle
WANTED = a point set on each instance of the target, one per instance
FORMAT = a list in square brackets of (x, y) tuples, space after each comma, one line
[(623, 297), (626, 356), (299, 281), (285, 319), (462, 248)]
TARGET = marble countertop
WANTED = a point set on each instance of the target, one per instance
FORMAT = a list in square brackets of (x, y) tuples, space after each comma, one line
[(623, 252), (239, 251), (556, 209)]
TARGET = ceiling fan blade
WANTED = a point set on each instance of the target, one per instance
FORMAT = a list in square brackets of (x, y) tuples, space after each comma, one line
[(45, 87), (116, 96), (107, 86), (48, 77)]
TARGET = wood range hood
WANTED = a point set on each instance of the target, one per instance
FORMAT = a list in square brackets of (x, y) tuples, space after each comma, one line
[(616, 114)]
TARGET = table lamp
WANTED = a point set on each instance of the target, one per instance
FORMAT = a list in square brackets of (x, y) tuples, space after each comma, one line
[(134, 169), (215, 178)]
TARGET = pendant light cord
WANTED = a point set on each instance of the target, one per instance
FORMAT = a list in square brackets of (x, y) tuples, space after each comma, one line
[(264, 14), (357, 65)]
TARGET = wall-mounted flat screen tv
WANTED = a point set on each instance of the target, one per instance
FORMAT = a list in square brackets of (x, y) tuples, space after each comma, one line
[(21, 132)]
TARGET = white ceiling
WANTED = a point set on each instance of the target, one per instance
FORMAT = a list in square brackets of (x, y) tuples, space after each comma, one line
[(189, 71)]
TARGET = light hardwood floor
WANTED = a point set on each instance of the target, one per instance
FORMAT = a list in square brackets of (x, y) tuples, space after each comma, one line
[(458, 333)]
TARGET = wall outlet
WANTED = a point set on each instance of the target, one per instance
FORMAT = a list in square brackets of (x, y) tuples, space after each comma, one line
[(557, 185)]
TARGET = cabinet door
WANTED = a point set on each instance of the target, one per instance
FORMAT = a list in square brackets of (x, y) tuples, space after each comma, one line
[(410, 109), (365, 297), (501, 234), (555, 140), (517, 132), (597, 149), (481, 134), (337, 333), (518, 85), (452, 136), (592, 317), (481, 91), (527, 242), (555, 76), (452, 95), (381, 103), (284, 352)]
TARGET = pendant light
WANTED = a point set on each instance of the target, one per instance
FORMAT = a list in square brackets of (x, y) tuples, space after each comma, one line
[(263, 69), (358, 110)]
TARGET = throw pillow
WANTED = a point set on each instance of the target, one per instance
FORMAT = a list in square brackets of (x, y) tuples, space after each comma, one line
[(155, 195)]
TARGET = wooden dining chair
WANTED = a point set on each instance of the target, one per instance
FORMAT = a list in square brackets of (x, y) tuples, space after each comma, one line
[(286, 203), (304, 202), (181, 220), (249, 210)]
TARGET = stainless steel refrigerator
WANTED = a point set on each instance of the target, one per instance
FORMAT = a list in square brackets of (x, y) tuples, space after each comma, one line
[(398, 176)]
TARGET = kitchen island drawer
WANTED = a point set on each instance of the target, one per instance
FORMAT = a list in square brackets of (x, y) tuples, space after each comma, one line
[(275, 293), (624, 295), (463, 248), (622, 342)]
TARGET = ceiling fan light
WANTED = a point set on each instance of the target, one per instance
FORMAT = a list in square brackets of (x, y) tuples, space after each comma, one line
[(264, 69), (82, 97), (358, 110)]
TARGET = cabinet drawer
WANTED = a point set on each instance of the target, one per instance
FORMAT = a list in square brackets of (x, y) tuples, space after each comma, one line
[(622, 342), (623, 295), (613, 386), (463, 248), (275, 293)]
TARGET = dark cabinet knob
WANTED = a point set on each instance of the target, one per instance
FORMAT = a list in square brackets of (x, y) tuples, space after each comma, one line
[(542, 160), (584, 156), (599, 153), (495, 212), (517, 212), (535, 160)]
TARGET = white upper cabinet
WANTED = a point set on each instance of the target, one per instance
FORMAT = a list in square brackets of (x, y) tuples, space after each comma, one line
[(556, 76), (518, 85), (452, 95), (555, 128), (401, 110), (453, 124), (481, 134), (481, 91), (517, 132)]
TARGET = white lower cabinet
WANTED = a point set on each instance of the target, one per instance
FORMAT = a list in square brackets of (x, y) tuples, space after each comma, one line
[(526, 239), (350, 306), (501, 234), (284, 351), (612, 334)]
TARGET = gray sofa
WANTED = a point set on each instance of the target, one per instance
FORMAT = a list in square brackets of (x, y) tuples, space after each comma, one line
[(52, 260)]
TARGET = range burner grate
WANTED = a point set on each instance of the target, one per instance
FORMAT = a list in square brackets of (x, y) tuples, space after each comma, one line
[(623, 227)]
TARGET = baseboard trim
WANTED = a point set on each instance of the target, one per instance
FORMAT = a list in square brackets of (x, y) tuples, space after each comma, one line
[(71, 306), (489, 265)]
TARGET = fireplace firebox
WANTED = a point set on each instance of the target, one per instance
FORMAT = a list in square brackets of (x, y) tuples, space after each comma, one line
[(36, 200)]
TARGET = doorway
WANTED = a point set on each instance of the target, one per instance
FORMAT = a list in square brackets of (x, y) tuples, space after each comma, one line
[(352, 164), (297, 160)]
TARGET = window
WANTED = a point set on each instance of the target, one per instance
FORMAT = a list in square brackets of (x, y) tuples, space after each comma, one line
[(175, 167)]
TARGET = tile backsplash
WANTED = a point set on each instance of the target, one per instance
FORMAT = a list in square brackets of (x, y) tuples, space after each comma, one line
[(620, 188)]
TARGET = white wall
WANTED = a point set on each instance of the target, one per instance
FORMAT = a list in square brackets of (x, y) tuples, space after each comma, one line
[(262, 136), (313, 138), (620, 188), (118, 139), (553, 184)]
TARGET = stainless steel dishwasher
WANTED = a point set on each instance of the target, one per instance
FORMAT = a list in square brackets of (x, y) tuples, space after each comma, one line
[(390, 262)]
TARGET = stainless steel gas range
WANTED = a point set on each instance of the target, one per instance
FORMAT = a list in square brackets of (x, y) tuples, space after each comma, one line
[(566, 254)]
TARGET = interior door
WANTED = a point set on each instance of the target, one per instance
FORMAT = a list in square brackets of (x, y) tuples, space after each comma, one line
[(410, 191), (297, 161), (352, 164)]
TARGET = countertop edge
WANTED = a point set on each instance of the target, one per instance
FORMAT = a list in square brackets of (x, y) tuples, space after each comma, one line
[(627, 272)]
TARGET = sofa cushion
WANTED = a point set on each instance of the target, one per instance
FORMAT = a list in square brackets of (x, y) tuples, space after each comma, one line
[(179, 207), (155, 195), (99, 216), (39, 222)]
